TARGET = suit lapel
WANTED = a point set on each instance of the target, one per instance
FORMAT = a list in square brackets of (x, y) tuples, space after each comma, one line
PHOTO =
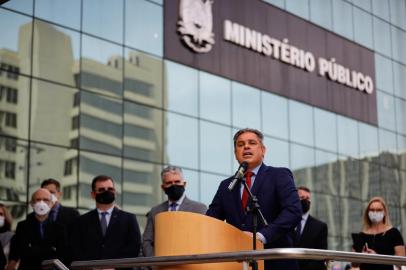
[(96, 221), (113, 221), (259, 180)]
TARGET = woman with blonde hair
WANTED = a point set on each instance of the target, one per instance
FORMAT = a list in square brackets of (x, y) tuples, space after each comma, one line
[(5, 229), (378, 236)]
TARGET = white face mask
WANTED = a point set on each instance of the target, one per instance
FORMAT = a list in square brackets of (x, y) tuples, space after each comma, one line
[(376, 217), (41, 208), (2, 220), (54, 199)]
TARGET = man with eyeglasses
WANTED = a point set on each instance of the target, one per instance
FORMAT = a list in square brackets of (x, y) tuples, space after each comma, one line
[(105, 232), (37, 238), (173, 184)]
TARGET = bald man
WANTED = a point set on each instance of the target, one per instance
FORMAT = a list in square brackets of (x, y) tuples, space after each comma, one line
[(37, 238)]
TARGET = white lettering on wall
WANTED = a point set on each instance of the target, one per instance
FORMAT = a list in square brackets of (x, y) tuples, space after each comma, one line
[(289, 54)]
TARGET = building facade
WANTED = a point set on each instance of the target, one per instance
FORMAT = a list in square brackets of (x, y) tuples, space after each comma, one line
[(88, 88)]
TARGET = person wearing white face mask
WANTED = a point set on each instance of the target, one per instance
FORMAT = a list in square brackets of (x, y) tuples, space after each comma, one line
[(5, 233), (37, 238), (378, 236)]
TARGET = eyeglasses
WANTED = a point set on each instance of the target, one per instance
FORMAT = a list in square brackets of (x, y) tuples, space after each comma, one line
[(100, 190)]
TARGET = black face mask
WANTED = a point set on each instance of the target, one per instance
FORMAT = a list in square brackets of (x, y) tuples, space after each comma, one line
[(305, 206), (106, 197), (174, 192)]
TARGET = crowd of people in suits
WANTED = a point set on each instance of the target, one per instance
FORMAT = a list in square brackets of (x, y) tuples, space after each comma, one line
[(107, 232)]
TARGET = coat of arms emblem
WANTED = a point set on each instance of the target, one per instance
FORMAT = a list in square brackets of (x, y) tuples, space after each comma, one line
[(196, 24)]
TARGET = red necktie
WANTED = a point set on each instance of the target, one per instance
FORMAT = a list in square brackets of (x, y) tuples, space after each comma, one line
[(244, 199)]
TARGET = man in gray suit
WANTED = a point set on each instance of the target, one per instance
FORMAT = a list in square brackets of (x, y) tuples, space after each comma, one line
[(173, 184)]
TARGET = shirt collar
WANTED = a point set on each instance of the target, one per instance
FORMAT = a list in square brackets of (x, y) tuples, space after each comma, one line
[(109, 211), (178, 202), (305, 216), (256, 169)]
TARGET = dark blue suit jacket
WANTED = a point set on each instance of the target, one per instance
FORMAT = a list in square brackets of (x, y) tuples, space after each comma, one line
[(122, 239), (280, 205)]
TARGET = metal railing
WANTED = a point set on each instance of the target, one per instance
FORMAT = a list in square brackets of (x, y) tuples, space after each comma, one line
[(241, 256)]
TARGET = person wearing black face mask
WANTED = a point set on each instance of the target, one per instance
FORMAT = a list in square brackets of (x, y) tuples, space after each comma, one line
[(311, 233), (105, 232), (173, 184)]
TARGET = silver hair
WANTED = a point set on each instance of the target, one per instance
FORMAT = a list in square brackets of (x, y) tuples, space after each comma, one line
[(171, 169)]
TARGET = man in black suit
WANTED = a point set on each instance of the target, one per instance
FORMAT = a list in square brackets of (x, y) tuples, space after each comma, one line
[(59, 213), (37, 238), (105, 232), (311, 233)]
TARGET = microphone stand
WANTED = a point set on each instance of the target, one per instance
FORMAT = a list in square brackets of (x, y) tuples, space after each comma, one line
[(254, 207)]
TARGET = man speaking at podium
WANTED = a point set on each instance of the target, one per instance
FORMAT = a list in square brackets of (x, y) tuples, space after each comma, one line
[(275, 191)]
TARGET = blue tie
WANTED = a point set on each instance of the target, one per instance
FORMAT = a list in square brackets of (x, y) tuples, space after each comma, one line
[(173, 206), (103, 223)]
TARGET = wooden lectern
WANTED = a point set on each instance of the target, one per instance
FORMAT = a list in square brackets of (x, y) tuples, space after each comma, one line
[(185, 233)]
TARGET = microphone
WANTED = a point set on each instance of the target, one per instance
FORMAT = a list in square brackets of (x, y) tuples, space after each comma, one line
[(238, 175)]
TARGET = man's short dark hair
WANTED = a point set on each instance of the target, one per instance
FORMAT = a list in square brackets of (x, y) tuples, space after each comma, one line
[(251, 130), (304, 188), (100, 178), (51, 181)]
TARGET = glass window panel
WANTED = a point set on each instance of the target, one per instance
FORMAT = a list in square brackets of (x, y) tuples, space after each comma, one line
[(347, 136), (381, 8), (328, 209), (325, 124), (300, 8), (104, 19), (209, 184), (368, 140), (401, 116), (402, 152), (24, 6), (100, 129), (302, 164), (14, 104), (181, 141), (215, 98), (398, 13), (301, 123), (193, 184), (320, 13), (211, 137), (327, 177), (364, 4), (352, 211), (143, 78), (59, 11), (144, 26), (278, 3), (274, 115), (386, 111), (102, 70), (246, 106), (56, 51), (142, 132), (181, 94), (383, 73), (342, 19), (390, 185), (91, 165), (13, 169), (370, 179), (141, 186), (351, 178), (399, 45), (52, 110), (54, 162), (402, 180), (363, 27), (15, 42), (387, 141), (399, 77), (382, 41), (277, 152)]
